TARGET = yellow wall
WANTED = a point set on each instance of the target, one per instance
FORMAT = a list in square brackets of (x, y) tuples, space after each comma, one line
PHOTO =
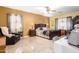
[(52, 19), (29, 19)]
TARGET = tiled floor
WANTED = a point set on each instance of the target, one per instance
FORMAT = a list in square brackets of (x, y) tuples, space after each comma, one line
[(31, 45)]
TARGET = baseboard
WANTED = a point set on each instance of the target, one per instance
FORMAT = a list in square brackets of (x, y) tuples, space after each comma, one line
[(25, 36)]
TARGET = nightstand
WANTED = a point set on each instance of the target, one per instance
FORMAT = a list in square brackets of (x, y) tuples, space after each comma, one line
[(32, 33)]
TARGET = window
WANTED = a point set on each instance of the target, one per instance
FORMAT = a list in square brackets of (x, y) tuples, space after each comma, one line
[(63, 23), (15, 23)]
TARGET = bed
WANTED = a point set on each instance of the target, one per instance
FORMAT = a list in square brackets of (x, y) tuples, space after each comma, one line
[(42, 30)]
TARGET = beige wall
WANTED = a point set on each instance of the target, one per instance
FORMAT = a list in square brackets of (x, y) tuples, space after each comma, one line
[(52, 19), (29, 19)]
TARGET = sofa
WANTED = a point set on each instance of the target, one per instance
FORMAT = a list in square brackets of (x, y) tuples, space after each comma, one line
[(10, 38)]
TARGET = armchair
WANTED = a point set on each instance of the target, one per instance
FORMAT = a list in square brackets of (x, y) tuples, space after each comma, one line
[(2, 42), (10, 38)]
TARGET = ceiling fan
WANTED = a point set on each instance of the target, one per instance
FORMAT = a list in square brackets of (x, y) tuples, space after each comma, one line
[(51, 11)]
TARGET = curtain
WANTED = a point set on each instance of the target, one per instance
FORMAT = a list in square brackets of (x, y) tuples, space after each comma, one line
[(63, 23), (15, 23), (19, 23), (12, 21)]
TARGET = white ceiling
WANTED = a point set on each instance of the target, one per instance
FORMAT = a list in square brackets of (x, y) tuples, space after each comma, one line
[(43, 11)]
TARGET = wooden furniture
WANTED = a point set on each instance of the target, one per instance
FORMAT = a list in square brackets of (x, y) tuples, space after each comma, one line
[(63, 32), (53, 33), (32, 33), (39, 25), (2, 44)]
